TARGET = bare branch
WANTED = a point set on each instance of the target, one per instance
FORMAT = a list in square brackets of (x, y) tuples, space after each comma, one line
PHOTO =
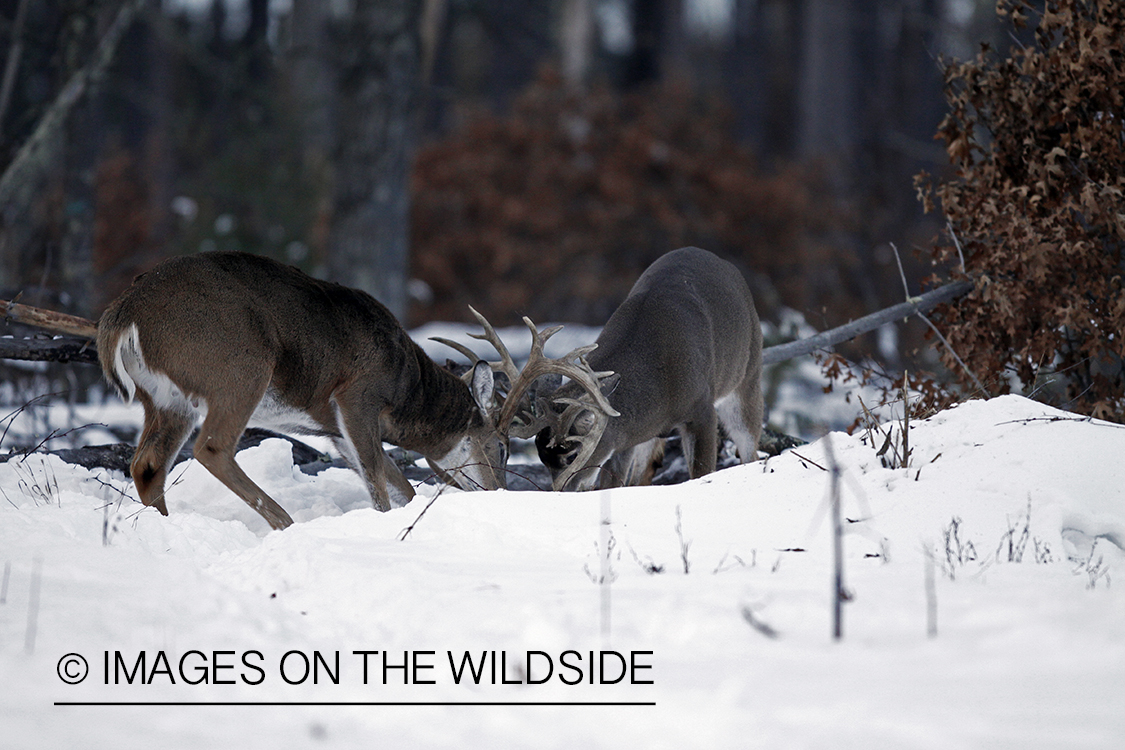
[(901, 273), (921, 314), (928, 301), (956, 356), (957, 244), (69, 325)]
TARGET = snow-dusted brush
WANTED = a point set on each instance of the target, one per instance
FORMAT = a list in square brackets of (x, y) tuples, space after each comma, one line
[(683, 351), (245, 340)]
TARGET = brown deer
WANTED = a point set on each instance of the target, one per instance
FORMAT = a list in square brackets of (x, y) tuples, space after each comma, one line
[(683, 351), (247, 340)]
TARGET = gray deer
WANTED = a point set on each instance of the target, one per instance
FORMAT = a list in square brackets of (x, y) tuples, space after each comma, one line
[(683, 351)]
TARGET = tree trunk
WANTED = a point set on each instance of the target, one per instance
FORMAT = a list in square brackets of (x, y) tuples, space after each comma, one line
[(254, 44), (74, 264), (39, 158), (378, 91), (828, 108), (761, 74), (658, 42), (312, 84), (577, 41)]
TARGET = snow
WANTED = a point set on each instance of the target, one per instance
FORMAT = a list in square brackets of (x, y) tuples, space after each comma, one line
[(1026, 654)]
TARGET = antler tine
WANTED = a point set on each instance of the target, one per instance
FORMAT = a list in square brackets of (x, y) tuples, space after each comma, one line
[(574, 407), (588, 442), (505, 365), (573, 365), (469, 353), (539, 338), (585, 375), (527, 425), (542, 417)]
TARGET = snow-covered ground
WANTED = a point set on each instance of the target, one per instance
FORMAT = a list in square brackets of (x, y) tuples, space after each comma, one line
[(716, 594)]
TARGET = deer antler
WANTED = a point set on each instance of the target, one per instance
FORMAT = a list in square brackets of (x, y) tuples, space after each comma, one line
[(572, 365), (506, 365), (587, 443)]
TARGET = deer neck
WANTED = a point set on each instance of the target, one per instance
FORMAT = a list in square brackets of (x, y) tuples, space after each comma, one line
[(434, 411)]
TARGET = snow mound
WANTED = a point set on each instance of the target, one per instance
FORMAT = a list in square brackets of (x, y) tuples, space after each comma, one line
[(696, 615)]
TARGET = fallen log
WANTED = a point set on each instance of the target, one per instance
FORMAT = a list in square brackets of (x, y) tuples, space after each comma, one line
[(781, 352), (57, 322), (117, 456), (64, 350), (521, 477)]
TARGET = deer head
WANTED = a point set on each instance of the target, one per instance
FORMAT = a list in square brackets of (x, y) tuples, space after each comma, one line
[(523, 413)]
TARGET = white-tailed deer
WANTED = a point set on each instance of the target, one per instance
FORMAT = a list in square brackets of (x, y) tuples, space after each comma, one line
[(247, 340), (683, 351)]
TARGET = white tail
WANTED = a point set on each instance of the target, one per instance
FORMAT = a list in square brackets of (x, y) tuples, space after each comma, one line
[(685, 352), (246, 340)]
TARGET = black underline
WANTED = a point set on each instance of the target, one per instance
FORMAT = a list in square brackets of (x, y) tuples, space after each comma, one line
[(354, 703)]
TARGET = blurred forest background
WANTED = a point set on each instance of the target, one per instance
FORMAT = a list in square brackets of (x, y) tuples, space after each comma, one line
[(525, 156)]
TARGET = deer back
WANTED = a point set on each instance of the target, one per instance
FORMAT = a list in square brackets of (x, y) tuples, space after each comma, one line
[(211, 324)]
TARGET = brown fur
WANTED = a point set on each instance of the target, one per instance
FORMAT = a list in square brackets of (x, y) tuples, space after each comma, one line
[(229, 328)]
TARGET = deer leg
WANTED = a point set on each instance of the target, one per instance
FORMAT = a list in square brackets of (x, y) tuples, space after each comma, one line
[(740, 413), (612, 473), (398, 485), (164, 433), (215, 446), (362, 446), (700, 441), (637, 465)]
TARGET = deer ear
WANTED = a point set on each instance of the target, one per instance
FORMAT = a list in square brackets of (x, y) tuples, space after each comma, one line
[(583, 424), (609, 383), (483, 385)]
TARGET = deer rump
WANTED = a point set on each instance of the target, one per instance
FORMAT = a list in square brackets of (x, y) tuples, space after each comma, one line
[(685, 348)]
